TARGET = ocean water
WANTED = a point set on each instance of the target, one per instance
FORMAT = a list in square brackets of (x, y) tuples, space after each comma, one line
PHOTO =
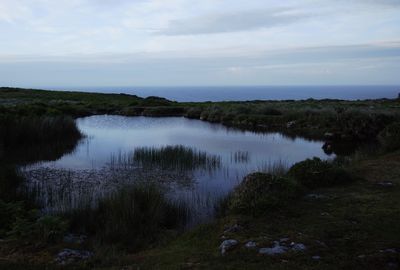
[(242, 93)]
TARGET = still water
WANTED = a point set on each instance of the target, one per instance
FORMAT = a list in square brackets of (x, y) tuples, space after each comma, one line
[(195, 161)]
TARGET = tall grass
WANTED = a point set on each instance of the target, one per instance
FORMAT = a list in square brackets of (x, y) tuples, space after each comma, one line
[(167, 157), (36, 130), (133, 217), (277, 167)]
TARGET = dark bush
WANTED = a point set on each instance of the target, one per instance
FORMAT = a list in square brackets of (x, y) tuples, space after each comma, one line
[(261, 192), (390, 137), (33, 130), (194, 112), (315, 172), (164, 111), (265, 110)]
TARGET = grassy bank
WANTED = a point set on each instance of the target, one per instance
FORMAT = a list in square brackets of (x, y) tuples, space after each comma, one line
[(350, 227)]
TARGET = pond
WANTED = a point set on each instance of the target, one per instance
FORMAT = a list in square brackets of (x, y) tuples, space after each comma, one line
[(195, 161)]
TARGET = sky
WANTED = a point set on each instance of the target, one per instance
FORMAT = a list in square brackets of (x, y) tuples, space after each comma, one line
[(65, 43)]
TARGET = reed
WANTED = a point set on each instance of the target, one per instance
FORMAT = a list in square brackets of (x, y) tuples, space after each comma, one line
[(176, 157), (134, 217)]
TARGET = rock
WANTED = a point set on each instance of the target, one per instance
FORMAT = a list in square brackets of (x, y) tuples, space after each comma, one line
[(74, 238), (275, 250), (298, 247), (67, 256), (329, 135), (314, 196), (227, 245), (316, 257), (251, 244), (290, 124), (385, 184), (285, 239), (388, 250), (233, 229)]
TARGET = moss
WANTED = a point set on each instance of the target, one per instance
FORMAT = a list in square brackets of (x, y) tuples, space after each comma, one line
[(313, 173), (260, 192)]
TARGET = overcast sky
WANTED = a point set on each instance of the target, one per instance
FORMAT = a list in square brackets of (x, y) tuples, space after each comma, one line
[(189, 42)]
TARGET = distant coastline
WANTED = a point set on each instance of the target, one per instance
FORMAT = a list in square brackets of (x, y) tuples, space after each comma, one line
[(243, 93)]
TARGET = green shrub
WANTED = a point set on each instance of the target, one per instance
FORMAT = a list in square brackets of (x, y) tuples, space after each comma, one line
[(390, 137), (50, 228), (19, 222), (194, 112), (9, 212), (315, 172), (261, 192)]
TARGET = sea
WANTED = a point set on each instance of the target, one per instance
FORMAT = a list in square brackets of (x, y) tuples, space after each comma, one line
[(243, 93)]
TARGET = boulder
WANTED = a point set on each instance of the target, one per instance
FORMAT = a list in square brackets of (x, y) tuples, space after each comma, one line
[(277, 249), (67, 256), (251, 244), (227, 245)]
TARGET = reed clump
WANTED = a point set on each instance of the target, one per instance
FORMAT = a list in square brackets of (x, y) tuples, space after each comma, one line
[(174, 157), (134, 217)]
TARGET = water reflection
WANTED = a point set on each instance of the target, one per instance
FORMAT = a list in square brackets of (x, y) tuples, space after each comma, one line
[(196, 161)]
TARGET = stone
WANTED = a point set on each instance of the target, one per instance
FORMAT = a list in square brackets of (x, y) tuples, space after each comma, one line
[(67, 256), (385, 184), (251, 244), (388, 250), (298, 247), (290, 124), (285, 239), (227, 245), (329, 135), (74, 238), (277, 249), (314, 196)]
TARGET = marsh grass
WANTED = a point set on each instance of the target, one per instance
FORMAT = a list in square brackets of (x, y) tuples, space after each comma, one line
[(134, 217), (176, 157), (276, 167), (32, 130)]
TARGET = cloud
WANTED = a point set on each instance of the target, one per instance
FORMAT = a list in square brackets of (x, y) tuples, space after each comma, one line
[(234, 22), (381, 2), (355, 64)]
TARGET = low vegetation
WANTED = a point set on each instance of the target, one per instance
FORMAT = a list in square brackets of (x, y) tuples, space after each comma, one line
[(390, 137), (259, 193), (314, 173)]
